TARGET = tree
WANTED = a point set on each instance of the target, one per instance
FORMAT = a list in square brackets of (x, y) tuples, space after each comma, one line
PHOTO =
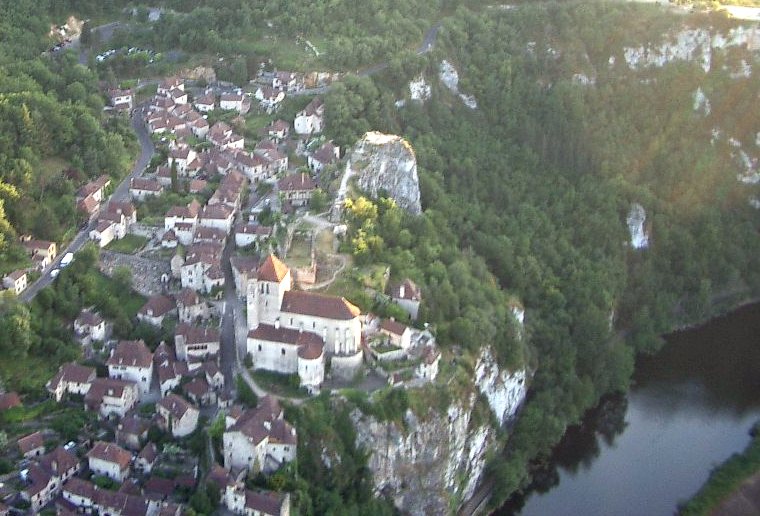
[(245, 394)]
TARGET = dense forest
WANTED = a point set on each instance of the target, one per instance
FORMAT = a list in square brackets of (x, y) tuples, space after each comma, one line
[(525, 197), (538, 180), (51, 122)]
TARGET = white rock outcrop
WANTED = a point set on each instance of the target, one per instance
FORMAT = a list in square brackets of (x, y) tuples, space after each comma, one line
[(636, 221), (430, 462), (419, 89), (386, 163), (691, 44), (450, 78), (701, 102), (504, 390)]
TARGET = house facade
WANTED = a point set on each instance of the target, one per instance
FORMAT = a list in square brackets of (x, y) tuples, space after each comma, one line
[(133, 361), (110, 460), (177, 416)]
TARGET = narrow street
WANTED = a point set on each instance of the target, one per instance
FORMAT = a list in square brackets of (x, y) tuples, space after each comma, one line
[(120, 193)]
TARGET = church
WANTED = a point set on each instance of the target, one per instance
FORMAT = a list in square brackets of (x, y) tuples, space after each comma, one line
[(295, 332)]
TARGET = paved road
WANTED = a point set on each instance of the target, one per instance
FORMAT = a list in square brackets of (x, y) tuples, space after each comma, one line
[(120, 193), (231, 311)]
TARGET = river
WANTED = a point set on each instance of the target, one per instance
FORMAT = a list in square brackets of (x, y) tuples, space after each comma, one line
[(691, 406)]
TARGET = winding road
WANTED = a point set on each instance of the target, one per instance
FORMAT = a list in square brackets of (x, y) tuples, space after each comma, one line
[(120, 193)]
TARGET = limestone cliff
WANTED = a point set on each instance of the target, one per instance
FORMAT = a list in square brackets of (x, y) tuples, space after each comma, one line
[(386, 163), (433, 462)]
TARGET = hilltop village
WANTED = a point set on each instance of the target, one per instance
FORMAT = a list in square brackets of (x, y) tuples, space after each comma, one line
[(233, 278)]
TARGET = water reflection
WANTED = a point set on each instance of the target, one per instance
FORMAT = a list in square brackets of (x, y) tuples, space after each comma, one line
[(690, 408)]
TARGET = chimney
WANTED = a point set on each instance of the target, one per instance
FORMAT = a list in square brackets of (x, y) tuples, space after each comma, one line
[(54, 466), (401, 290), (267, 425), (277, 324)]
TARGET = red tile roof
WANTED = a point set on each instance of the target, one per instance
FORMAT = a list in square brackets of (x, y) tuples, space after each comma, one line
[(296, 182), (9, 400), (132, 353), (156, 306), (319, 305), (111, 452), (31, 442), (393, 327), (272, 269)]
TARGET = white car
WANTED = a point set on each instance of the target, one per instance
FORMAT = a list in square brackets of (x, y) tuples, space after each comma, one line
[(54, 273), (67, 259)]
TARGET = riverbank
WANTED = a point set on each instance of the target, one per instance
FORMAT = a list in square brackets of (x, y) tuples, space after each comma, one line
[(733, 487)]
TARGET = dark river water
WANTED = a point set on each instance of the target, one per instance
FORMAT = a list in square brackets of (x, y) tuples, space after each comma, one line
[(691, 406)]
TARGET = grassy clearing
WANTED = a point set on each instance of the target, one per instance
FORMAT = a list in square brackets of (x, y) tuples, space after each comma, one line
[(324, 241), (286, 385), (725, 479), (130, 244), (299, 253)]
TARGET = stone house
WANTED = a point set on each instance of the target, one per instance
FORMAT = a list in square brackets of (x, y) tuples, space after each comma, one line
[(169, 371), (41, 247), (156, 309), (146, 458), (243, 270), (259, 439), (289, 351), (46, 476), (121, 100), (397, 334), (408, 296), (328, 154), (217, 216), (297, 189), (111, 397), (195, 342), (16, 281), (133, 361), (132, 432), (311, 119), (232, 101), (95, 189), (269, 98), (278, 129), (182, 214), (239, 500), (71, 378), (250, 233), (428, 367), (32, 445), (190, 306), (89, 326), (205, 103), (141, 188), (199, 391), (177, 416), (110, 460)]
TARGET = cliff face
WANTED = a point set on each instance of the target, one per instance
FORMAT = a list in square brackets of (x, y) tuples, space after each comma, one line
[(386, 163), (431, 464)]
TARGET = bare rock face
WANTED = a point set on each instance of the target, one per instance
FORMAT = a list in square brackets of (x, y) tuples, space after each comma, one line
[(386, 163), (434, 462), (428, 464)]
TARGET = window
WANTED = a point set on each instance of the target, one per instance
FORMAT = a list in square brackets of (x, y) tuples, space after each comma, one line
[(259, 347), (283, 351)]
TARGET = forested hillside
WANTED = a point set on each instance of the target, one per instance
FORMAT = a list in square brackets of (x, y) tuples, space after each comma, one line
[(539, 178), (50, 123)]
